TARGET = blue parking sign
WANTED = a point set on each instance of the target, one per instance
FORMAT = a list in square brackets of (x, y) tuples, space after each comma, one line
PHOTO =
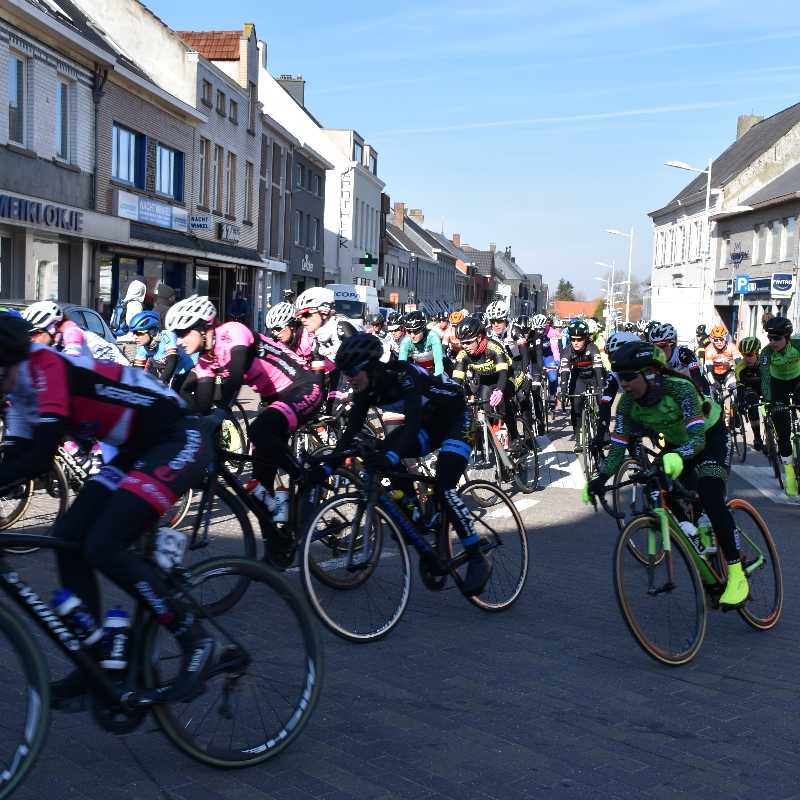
[(742, 284)]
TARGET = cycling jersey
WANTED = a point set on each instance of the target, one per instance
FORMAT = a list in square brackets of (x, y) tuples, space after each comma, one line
[(426, 353), (550, 348), (720, 362), (154, 358), (782, 366), (585, 365), (749, 377), (518, 354), (489, 366)]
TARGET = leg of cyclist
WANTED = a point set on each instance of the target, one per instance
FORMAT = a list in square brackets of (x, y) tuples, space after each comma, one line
[(750, 408), (783, 392), (530, 399)]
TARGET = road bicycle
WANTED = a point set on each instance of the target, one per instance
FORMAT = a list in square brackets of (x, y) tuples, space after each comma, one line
[(589, 452), (260, 690), (735, 422), (664, 579), (771, 449), (355, 564)]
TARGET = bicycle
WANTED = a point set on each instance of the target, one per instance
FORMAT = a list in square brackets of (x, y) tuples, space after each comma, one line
[(771, 444), (355, 566), (771, 437), (672, 623), (253, 706), (735, 421), (589, 452)]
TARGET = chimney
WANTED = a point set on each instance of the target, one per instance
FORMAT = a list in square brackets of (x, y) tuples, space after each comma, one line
[(456, 239), (744, 123), (295, 86), (417, 215), (399, 215), (492, 247)]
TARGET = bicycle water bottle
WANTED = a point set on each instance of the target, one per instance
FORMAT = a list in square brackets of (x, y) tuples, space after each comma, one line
[(116, 630), (76, 616), (407, 504), (706, 533), (170, 546)]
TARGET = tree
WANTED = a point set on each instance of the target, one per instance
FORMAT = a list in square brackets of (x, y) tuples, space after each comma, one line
[(565, 290)]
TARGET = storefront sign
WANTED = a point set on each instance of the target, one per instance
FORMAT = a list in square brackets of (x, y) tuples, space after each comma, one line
[(229, 233), (754, 286), (35, 212), (307, 264), (782, 284), (151, 212), (200, 222)]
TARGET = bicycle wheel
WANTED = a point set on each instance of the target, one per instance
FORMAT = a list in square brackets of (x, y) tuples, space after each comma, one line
[(25, 700), (526, 464), (266, 679), (587, 432), (762, 564), (14, 503), (663, 601), (232, 437), (178, 512), (503, 540), (738, 436), (629, 500), (771, 447), (364, 598), (241, 418)]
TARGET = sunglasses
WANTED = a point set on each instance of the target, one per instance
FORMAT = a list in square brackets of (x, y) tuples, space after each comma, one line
[(662, 344), (306, 314), (774, 337), (495, 321), (717, 340), (627, 377), (577, 338), (351, 372)]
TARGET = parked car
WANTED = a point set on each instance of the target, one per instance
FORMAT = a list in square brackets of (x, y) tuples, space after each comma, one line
[(86, 318)]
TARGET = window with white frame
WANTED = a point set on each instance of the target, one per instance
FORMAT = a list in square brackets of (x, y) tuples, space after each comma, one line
[(724, 250), (769, 243), (169, 172), (62, 119), (790, 240), (249, 172), (230, 184), (16, 99), (298, 227), (318, 185), (758, 250), (205, 147), (358, 152), (217, 178), (779, 234), (668, 252), (126, 152)]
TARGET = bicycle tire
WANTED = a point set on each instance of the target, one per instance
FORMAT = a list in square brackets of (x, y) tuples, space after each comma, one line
[(177, 514), (495, 596), (15, 513), (678, 550), (335, 597), (483, 461), (232, 437), (35, 696), (771, 442), (526, 465), (177, 719), (588, 431), (239, 414), (636, 507), (738, 437)]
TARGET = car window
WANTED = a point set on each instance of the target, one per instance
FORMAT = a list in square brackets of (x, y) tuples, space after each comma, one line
[(95, 323), (76, 316)]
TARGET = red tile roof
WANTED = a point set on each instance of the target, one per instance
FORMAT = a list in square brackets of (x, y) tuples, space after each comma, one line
[(214, 45)]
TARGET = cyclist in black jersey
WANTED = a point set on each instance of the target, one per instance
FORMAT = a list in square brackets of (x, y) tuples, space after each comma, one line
[(435, 419), (748, 386)]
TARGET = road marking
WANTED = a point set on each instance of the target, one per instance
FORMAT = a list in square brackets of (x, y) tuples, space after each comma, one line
[(504, 511), (763, 479)]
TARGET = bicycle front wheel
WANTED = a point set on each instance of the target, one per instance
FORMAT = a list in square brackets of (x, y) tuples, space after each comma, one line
[(630, 500), (25, 702), (662, 601), (265, 682), (504, 542), (587, 433), (526, 464), (738, 437), (356, 569)]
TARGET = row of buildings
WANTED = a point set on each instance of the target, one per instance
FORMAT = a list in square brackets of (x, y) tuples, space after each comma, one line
[(129, 150), (725, 248)]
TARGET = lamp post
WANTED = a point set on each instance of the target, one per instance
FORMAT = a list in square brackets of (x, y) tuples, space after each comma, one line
[(628, 236)]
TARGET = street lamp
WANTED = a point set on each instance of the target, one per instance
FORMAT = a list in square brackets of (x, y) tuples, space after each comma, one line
[(629, 236)]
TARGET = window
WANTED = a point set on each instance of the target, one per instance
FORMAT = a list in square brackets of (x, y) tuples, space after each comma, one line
[(358, 152), (307, 240), (230, 184), (299, 176), (277, 167), (373, 163), (16, 100), (318, 185), (127, 152), (221, 107), (298, 227), (724, 250), (216, 179), (249, 170), (207, 93), (204, 164), (169, 172), (772, 235), (779, 240), (756, 256), (233, 112), (790, 240), (62, 120), (315, 239), (253, 99)]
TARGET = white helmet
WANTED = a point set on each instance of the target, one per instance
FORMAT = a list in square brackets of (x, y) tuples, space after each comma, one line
[(190, 313), (43, 315), (539, 321), (497, 310), (279, 316), (618, 338), (593, 326), (313, 299)]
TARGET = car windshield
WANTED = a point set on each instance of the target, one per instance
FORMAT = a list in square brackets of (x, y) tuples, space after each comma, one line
[(354, 309)]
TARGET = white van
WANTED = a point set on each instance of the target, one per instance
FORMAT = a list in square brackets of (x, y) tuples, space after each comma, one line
[(354, 302)]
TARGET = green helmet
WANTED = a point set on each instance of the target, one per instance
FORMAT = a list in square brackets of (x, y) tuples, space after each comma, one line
[(634, 356), (749, 345), (578, 328)]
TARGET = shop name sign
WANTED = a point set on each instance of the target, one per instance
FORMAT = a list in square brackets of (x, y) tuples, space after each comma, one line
[(35, 212), (229, 233), (307, 264), (151, 212), (782, 284), (200, 222)]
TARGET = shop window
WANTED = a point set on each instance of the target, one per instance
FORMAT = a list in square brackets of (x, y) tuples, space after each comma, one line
[(45, 259), (104, 286), (5, 268), (201, 281)]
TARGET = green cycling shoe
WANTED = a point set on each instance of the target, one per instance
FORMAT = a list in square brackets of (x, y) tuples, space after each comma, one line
[(737, 589)]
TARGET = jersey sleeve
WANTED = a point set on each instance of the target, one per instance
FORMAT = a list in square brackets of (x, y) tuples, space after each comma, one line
[(405, 349), (140, 359), (169, 342), (460, 369), (691, 406), (438, 355), (49, 380)]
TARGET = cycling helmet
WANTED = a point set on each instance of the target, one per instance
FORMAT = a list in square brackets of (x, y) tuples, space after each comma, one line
[(539, 321), (470, 328), (394, 321), (456, 317), (15, 339), (279, 316), (641, 326), (344, 329), (779, 326), (663, 332), (630, 327), (317, 298), (617, 339), (700, 330), (376, 319), (497, 310), (146, 322), (439, 316), (192, 313), (523, 322), (592, 326), (358, 352), (749, 345), (43, 315), (633, 355), (578, 328), (718, 332), (415, 321)]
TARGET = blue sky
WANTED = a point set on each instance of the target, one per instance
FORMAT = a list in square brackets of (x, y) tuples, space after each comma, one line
[(530, 124)]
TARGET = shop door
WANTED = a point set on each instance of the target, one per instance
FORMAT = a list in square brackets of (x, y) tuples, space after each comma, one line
[(238, 294)]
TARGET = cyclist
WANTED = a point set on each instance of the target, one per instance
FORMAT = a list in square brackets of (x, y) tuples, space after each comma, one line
[(435, 418), (376, 326), (441, 325), (702, 340), (231, 355), (679, 358), (282, 325), (394, 325), (748, 386), (528, 368), (314, 309), (50, 328), (547, 335), (157, 351), (580, 368), (421, 346), (657, 400), (780, 383), (721, 356), (497, 314), (160, 454), (611, 385)]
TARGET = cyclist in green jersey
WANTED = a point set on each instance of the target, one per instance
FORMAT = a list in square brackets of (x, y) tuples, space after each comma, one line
[(780, 383), (659, 401), (748, 386), (421, 346)]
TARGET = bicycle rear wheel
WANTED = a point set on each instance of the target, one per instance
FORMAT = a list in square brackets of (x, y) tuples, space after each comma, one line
[(504, 541), (662, 601), (25, 700), (526, 464), (771, 448), (738, 435), (265, 682)]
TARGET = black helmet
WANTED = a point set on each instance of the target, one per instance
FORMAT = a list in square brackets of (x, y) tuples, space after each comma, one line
[(779, 326), (414, 321), (632, 356), (440, 316), (578, 328), (700, 330), (358, 352), (523, 323), (470, 328), (344, 329), (394, 321), (375, 319), (15, 339)]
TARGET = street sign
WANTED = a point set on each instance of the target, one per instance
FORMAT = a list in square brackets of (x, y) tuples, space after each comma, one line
[(367, 261), (742, 284)]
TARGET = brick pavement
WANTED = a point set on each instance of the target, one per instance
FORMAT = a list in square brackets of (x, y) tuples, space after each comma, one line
[(551, 699)]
